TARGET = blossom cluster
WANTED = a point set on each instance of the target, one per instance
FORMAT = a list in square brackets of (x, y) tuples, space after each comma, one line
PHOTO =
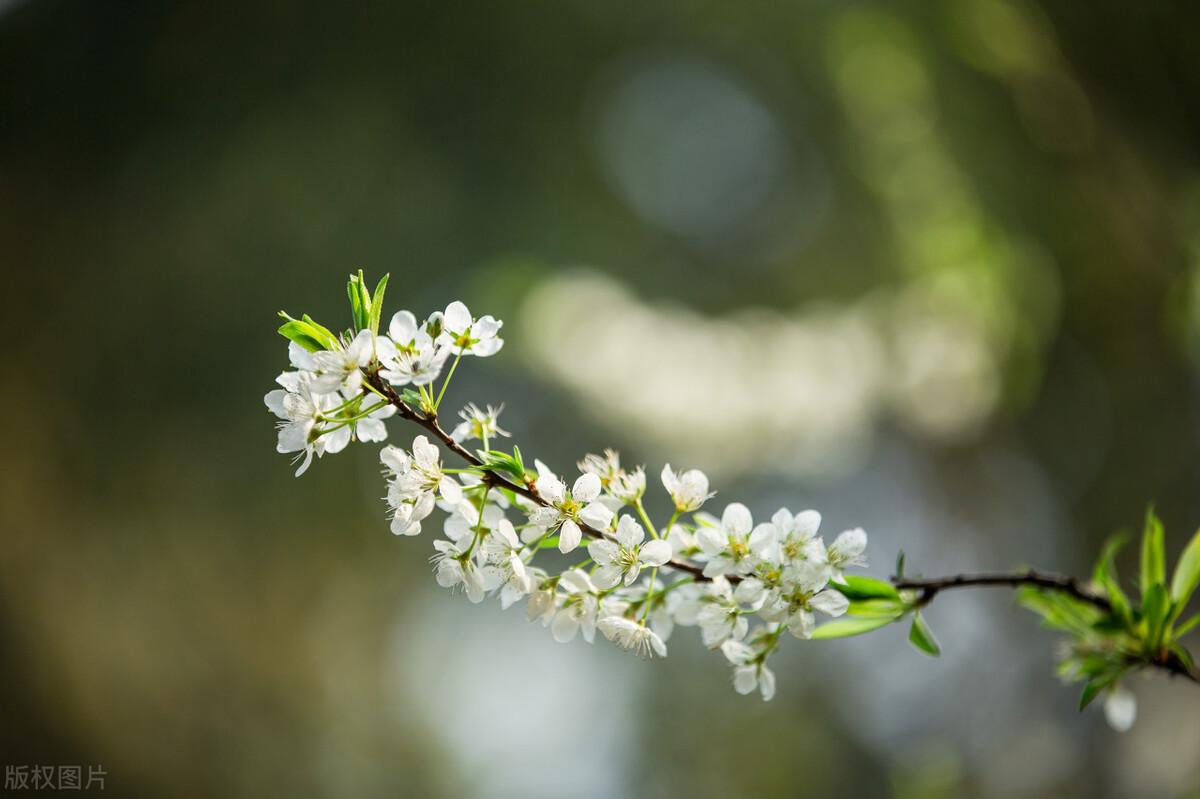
[(581, 551)]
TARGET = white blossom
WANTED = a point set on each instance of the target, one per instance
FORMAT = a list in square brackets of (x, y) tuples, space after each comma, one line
[(845, 551), (478, 424), (568, 509), (688, 490), (804, 592), (469, 336), (735, 547), (408, 354), (624, 558), (632, 635), (456, 568), (340, 369), (1120, 708), (750, 670), (579, 610)]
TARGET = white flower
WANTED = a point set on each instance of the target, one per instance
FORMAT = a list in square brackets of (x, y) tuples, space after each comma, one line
[(624, 558), (469, 336), (414, 482), (802, 594), (334, 370), (455, 567), (409, 354), (688, 490), (718, 614), (422, 472), (846, 550), (683, 542), (628, 487), (568, 509), (580, 608), (504, 550), (606, 466), (632, 635), (542, 604), (478, 424), (796, 534), (1120, 708), (749, 669), (734, 547), (302, 413)]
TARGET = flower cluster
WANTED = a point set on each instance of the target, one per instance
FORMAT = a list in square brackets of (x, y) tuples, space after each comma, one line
[(637, 581), (516, 534)]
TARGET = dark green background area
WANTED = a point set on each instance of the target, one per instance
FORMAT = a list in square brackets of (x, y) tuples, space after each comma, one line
[(176, 606)]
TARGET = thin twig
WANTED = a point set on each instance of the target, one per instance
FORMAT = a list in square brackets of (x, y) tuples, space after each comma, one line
[(929, 587)]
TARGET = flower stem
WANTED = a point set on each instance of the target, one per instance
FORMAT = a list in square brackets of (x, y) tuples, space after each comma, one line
[(641, 509), (449, 375)]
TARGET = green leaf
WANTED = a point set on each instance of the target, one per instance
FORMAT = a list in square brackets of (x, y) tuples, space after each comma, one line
[(1187, 574), (900, 565), (1105, 575), (1187, 626), (859, 587), (1092, 690), (844, 628), (922, 637), (1060, 611), (874, 608), (1155, 609), (1154, 570), (307, 333), (377, 304)]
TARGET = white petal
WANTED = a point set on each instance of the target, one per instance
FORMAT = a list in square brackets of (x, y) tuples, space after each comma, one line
[(450, 489), (766, 684), (569, 536), (1120, 709), (551, 488), (403, 328), (603, 552), (597, 515), (655, 553), (586, 488), (457, 318), (629, 532), (736, 519), (607, 576), (830, 602), (565, 626), (745, 679)]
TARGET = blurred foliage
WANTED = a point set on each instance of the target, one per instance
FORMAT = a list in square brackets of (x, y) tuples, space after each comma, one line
[(176, 607)]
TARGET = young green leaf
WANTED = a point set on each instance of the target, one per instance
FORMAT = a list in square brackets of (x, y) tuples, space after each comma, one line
[(1187, 626), (1153, 562), (377, 304), (860, 587), (358, 314), (1155, 609), (922, 637), (900, 565), (1105, 575), (1187, 574), (844, 628), (874, 608)]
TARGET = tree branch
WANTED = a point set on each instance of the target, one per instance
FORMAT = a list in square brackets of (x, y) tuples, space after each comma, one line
[(931, 586), (928, 587), (527, 490)]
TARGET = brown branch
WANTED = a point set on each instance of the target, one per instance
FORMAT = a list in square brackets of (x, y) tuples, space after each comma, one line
[(930, 587), (527, 490)]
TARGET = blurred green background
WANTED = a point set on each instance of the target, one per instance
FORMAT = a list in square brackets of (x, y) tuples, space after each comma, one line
[(931, 267)]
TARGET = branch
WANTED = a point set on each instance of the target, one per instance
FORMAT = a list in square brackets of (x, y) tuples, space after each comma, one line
[(930, 587), (528, 490)]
